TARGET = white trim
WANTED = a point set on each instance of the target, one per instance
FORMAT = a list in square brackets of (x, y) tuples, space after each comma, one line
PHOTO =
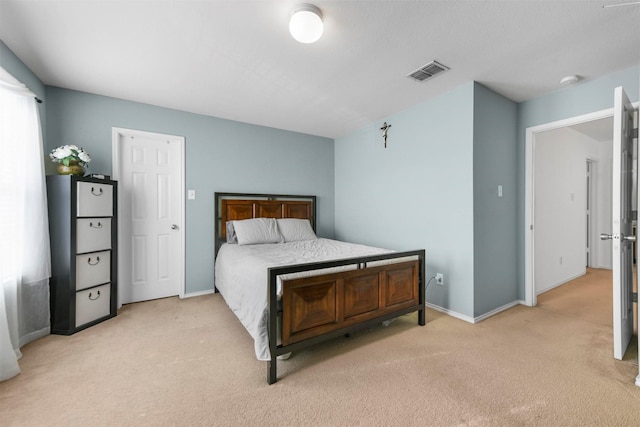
[(562, 282), (498, 310), (450, 313), (529, 290), (115, 156), (594, 216), (199, 293), (529, 244), (476, 319)]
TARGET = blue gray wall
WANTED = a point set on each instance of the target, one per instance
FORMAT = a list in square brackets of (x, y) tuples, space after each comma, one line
[(583, 98), (494, 218), (221, 155), (416, 193), (435, 187)]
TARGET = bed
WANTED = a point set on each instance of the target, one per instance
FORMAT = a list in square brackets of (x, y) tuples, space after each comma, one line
[(292, 289)]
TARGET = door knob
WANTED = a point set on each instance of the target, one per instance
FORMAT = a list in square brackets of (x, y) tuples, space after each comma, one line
[(174, 227), (604, 236)]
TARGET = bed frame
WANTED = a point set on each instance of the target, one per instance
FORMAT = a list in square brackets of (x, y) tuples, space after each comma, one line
[(318, 308)]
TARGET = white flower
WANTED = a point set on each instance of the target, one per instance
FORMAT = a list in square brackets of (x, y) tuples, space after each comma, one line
[(62, 152), (66, 153), (84, 156)]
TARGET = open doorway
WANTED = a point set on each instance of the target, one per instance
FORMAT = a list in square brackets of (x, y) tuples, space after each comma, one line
[(557, 194), (622, 205)]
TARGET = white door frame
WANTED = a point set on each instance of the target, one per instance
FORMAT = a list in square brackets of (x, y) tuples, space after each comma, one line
[(115, 150), (529, 244), (592, 166)]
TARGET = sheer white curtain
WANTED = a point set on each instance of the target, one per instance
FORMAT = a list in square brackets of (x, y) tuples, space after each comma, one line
[(25, 264)]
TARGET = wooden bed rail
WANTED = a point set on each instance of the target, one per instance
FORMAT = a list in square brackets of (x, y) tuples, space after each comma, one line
[(396, 288)]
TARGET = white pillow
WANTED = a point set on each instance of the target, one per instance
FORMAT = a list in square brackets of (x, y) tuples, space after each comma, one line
[(256, 231), (293, 230), (231, 233)]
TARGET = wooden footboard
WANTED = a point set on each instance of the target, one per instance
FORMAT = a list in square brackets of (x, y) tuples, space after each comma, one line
[(317, 308), (313, 306)]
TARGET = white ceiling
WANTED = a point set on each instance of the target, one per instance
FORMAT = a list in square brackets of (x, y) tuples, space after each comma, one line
[(236, 60)]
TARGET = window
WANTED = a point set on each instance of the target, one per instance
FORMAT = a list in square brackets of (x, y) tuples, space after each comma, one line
[(24, 247)]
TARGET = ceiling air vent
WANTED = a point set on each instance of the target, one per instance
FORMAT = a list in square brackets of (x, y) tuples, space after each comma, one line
[(425, 72)]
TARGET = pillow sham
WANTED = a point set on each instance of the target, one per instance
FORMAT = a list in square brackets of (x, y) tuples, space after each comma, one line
[(294, 230), (257, 231)]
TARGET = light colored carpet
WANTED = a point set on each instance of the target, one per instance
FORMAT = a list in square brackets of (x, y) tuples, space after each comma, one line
[(190, 362), (588, 297)]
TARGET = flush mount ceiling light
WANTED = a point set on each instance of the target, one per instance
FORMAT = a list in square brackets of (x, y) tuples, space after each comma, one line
[(306, 24), (569, 80)]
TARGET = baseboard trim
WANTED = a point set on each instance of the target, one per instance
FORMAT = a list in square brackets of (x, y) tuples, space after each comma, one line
[(555, 285), (476, 319), (450, 312), (498, 310), (199, 293)]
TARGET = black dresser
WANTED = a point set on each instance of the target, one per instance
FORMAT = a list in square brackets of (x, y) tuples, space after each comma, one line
[(83, 230)]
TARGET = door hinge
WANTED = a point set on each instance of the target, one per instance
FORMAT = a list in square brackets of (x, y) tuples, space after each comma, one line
[(634, 133), (635, 297)]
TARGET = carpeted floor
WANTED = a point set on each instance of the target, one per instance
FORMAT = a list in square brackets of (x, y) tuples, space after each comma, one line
[(588, 297), (190, 362)]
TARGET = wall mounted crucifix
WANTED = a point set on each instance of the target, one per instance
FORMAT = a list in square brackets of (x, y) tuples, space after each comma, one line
[(385, 128)]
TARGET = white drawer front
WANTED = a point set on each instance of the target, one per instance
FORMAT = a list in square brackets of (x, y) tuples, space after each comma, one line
[(93, 234), (92, 304), (93, 269), (94, 199)]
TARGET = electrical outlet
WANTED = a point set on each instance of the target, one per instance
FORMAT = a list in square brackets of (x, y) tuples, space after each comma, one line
[(440, 279)]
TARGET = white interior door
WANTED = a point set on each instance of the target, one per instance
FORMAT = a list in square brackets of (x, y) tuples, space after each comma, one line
[(150, 170), (622, 227)]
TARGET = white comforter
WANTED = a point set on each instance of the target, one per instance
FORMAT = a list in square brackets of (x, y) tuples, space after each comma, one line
[(242, 280)]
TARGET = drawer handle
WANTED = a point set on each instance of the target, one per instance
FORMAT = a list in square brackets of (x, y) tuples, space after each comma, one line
[(93, 299), (99, 193), (95, 226), (94, 263)]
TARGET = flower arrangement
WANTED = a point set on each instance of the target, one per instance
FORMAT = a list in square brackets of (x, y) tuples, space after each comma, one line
[(69, 153)]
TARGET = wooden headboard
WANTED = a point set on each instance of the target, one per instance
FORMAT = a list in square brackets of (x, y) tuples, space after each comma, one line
[(237, 206)]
